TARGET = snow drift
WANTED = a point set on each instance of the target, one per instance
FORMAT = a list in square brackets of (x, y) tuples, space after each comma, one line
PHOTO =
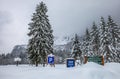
[(88, 71)]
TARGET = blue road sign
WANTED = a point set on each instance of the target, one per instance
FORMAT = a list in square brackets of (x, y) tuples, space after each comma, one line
[(70, 63), (50, 60)]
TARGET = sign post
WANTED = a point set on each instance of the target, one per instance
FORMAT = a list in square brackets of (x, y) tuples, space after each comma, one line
[(17, 60), (51, 60), (96, 59), (70, 62)]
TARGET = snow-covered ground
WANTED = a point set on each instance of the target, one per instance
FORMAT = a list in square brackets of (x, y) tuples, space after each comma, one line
[(87, 71)]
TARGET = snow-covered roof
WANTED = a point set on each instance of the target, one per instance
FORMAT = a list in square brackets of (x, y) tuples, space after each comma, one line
[(17, 59), (69, 58), (51, 55)]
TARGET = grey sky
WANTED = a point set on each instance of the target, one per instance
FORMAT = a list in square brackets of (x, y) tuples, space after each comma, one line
[(66, 17)]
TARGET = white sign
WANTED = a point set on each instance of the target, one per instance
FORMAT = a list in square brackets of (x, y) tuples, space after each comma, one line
[(17, 59)]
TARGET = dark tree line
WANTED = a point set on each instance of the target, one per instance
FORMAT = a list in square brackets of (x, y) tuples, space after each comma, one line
[(6, 59)]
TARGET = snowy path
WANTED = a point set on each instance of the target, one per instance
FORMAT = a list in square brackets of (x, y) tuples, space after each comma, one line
[(87, 71)]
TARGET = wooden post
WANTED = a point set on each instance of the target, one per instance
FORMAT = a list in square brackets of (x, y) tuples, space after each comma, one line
[(85, 61), (102, 60)]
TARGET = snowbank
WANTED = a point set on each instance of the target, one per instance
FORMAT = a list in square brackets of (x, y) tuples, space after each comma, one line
[(87, 71)]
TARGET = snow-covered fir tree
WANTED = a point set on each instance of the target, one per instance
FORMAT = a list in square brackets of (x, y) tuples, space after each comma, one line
[(94, 39), (41, 37), (114, 31), (76, 51), (86, 44), (105, 41)]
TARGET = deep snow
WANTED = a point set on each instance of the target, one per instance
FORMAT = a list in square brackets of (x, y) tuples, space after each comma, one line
[(87, 71)]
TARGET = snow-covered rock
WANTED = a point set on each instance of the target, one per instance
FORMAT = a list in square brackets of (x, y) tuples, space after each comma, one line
[(18, 49), (62, 40)]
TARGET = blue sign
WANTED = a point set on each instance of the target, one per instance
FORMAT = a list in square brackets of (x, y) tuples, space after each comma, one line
[(70, 63), (50, 60)]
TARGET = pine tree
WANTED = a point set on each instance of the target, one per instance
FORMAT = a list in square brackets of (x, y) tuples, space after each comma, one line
[(114, 31), (41, 38), (76, 51), (94, 39), (105, 41), (87, 43)]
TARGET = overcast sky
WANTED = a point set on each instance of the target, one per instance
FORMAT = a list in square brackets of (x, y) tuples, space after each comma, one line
[(66, 17)]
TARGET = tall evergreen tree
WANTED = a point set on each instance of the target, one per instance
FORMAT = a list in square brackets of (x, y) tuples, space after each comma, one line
[(95, 39), (105, 41), (114, 31), (41, 37), (76, 51), (86, 43)]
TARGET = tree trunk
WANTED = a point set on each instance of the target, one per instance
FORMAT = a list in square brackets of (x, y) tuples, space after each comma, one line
[(17, 63), (36, 64), (43, 64)]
